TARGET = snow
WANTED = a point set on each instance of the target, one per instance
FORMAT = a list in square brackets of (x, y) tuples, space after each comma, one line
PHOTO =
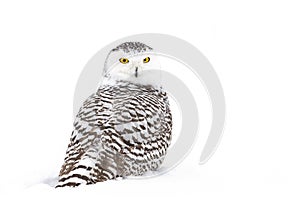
[(137, 193)]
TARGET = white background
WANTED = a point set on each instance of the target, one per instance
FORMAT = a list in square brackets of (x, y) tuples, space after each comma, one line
[(253, 45)]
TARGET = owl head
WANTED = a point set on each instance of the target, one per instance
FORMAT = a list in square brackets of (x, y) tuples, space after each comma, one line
[(133, 62)]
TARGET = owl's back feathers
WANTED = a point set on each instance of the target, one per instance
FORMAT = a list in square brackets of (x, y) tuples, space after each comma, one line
[(121, 130)]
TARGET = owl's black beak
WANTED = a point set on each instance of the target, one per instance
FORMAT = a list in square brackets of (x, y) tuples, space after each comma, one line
[(136, 71)]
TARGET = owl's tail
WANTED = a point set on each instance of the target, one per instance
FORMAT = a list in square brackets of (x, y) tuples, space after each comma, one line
[(85, 172)]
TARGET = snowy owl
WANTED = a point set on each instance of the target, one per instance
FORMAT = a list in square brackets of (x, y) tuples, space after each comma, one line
[(124, 129)]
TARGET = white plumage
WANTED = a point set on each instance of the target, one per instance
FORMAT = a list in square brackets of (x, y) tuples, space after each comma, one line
[(124, 129)]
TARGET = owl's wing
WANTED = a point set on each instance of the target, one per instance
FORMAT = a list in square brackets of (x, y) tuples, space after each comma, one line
[(83, 148), (142, 126)]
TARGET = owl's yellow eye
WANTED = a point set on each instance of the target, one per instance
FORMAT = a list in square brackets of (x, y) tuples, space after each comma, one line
[(146, 60), (123, 60)]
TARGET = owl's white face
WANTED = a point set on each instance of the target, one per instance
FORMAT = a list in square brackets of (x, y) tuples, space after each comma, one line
[(141, 68)]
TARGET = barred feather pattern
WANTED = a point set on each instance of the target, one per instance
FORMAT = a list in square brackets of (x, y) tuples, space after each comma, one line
[(122, 130)]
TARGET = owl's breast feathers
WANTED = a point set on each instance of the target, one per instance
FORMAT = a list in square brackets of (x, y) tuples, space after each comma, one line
[(121, 130)]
